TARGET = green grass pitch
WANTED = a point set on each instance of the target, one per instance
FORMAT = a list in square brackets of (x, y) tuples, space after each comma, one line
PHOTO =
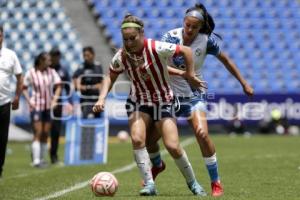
[(255, 168)]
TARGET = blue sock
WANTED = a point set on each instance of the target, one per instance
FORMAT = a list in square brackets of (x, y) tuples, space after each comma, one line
[(155, 159), (212, 167), (213, 172)]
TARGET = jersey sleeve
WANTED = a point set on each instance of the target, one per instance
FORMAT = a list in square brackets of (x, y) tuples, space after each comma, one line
[(27, 79), (213, 46), (167, 37), (17, 67), (116, 65), (166, 49)]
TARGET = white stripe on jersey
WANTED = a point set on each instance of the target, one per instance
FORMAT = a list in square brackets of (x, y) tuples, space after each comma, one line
[(41, 83), (150, 83)]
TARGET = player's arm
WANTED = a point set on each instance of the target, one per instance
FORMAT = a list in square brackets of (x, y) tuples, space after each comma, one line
[(107, 84), (19, 86), (57, 93), (232, 68)]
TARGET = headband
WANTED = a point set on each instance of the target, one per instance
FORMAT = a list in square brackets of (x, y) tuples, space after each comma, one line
[(196, 14), (130, 25)]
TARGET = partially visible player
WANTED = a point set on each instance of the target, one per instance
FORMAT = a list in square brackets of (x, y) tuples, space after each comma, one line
[(9, 67), (196, 32), (151, 98), (41, 78), (56, 122)]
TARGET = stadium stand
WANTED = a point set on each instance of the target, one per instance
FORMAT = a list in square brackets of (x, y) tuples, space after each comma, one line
[(261, 37), (32, 26)]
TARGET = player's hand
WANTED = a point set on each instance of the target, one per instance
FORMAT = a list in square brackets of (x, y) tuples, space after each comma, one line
[(53, 104), (196, 82), (15, 103), (99, 106), (248, 90)]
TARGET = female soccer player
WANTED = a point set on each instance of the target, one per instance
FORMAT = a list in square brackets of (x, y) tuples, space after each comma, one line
[(151, 98), (41, 79), (196, 33)]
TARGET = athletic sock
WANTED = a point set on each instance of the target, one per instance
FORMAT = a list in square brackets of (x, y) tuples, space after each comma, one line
[(212, 167), (185, 168), (44, 150), (36, 152), (142, 160), (155, 159)]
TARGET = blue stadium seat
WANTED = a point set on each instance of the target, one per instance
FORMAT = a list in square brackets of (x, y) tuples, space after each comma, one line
[(254, 35)]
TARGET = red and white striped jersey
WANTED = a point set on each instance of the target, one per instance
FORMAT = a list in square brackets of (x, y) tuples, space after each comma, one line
[(42, 83), (150, 81)]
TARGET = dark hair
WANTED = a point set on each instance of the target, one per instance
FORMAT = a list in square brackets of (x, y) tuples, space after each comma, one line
[(131, 18), (209, 24), (38, 59), (89, 49), (55, 52), (1, 28)]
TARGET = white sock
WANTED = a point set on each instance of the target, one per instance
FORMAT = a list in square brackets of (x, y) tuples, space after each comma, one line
[(210, 160), (185, 167), (36, 152), (143, 162), (44, 150)]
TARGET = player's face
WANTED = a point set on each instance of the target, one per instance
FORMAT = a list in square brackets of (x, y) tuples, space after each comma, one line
[(46, 62), (192, 26), (132, 40)]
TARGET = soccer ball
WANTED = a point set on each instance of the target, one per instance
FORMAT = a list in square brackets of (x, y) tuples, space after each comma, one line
[(104, 184), (123, 136)]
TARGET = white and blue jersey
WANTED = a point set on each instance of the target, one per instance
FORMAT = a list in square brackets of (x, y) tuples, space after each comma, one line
[(201, 46)]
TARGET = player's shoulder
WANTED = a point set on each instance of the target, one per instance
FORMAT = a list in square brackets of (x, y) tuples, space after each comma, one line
[(214, 39), (8, 51), (176, 32), (173, 36)]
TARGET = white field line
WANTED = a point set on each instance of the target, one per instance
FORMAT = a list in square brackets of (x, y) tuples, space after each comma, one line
[(83, 184), (22, 175)]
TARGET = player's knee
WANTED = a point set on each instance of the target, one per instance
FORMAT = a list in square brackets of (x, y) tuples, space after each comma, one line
[(174, 150), (137, 141), (201, 133)]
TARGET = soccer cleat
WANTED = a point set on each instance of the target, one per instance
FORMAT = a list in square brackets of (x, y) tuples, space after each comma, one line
[(216, 189), (196, 188), (156, 170), (148, 190)]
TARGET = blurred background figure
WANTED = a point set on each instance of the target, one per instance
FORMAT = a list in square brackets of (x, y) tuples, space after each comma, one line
[(56, 117), (279, 123), (237, 124), (41, 79), (9, 67), (87, 79), (275, 122)]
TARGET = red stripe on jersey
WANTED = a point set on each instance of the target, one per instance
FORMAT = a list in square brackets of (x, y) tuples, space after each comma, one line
[(154, 73), (177, 51), (135, 83), (35, 89), (161, 69)]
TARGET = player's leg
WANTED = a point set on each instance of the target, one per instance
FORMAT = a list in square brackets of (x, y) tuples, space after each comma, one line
[(199, 124), (44, 138), (138, 124), (54, 133), (168, 129), (36, 144), (158, 164), (4, 118)]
